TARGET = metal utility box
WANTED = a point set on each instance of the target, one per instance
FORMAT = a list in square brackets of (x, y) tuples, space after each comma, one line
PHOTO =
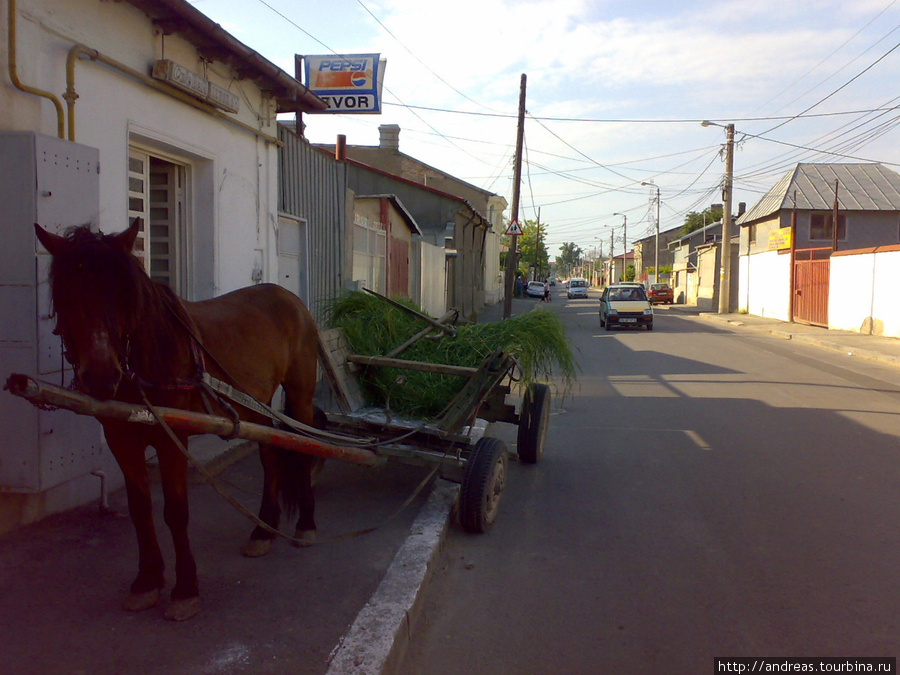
[(55, 183)]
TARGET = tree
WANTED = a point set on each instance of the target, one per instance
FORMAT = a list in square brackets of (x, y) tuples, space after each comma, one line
[(696, 221), (568, 257), (532, 251)]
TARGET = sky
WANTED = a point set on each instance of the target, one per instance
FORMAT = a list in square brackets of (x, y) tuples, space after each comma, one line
[(615, 94)]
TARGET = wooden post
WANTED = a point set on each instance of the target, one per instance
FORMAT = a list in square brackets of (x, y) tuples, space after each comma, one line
[(512, 262), (793, 281), (834, 220)]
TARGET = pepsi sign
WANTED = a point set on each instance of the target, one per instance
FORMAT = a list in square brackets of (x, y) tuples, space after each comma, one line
[(348, 83)]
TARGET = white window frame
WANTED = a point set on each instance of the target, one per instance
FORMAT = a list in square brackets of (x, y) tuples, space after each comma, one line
[(141, 206)]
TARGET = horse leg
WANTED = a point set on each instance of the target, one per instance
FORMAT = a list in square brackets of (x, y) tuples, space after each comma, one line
[(260, 541), (185, 597), (305, 531), (299, 468), (128, 450)]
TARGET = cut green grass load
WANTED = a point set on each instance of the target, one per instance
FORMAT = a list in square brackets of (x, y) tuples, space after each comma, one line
[(373, 327)]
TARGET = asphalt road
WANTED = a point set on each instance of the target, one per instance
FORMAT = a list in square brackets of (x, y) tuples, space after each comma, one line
[(706, 492)]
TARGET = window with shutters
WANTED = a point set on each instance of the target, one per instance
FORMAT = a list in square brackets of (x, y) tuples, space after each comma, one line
[(157, 195)]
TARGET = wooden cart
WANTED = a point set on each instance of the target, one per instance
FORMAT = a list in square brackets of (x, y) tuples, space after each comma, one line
[(454, 443)]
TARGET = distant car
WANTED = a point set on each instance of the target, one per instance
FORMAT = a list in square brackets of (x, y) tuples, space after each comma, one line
[(553, 282), (661, 293), (577, 288), (535, 289), (625, 305)]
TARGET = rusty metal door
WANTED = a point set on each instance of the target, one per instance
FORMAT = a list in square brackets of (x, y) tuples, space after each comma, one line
[(811, 278)]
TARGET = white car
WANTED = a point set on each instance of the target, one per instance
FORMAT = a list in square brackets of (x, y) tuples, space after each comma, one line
[(625, 305), (577, 288), (535, 289)]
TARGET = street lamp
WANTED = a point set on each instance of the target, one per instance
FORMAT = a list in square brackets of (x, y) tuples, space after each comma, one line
[(656, 252), (725, 268)]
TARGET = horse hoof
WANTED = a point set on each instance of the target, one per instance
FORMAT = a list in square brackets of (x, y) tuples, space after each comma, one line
[(181, 610), (138, 602), (303, 538), (256, 548)]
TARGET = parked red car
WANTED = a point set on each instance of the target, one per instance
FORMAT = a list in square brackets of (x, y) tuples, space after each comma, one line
[(660, 293)]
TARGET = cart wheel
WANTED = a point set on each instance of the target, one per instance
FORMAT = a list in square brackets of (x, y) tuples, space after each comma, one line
[(533, 423), (482, 486)]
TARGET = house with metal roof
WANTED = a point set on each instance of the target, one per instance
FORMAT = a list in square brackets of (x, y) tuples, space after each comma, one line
[(685, 263), (387, 158), (789, 244)]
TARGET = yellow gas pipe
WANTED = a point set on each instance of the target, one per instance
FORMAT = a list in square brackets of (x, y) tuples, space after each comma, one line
[(14, 76)]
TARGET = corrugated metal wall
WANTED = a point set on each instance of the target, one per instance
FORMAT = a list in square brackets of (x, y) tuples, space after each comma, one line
[(313, 186)]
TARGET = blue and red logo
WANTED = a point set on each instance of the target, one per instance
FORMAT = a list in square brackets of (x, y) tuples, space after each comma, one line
[(358, 79)]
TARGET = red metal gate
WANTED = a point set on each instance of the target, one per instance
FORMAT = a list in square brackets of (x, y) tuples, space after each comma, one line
[(811, 275)]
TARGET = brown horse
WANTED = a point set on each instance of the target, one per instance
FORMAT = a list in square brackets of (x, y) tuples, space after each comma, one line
[(127, 336)]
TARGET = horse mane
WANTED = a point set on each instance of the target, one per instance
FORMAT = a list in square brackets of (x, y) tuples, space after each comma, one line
[(94, 275)]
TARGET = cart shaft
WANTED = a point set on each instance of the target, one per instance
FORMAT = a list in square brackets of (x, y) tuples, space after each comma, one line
[(41, 393)]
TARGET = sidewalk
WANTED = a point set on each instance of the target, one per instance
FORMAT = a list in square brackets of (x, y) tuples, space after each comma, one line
[(885, 350)]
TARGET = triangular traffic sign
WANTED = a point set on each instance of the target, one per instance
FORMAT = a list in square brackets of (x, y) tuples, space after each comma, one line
[(514, 228)]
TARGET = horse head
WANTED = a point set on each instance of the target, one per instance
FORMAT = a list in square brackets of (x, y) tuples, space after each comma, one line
[(92, 284)]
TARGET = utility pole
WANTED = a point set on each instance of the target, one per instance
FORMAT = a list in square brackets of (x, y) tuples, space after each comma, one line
[(298, 75), (725, 269), (612, 257), (624, 238), (512, 262), (656, 243)]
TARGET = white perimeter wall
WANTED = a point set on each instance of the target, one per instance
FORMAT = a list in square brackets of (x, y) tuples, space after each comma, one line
[(861, 296), (765, 281), (428, 277), (493, 277)]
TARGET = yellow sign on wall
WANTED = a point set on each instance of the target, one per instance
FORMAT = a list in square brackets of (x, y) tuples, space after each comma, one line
[(780, 239)]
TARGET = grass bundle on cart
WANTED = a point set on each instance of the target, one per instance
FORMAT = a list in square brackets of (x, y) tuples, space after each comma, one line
[(373, 326)]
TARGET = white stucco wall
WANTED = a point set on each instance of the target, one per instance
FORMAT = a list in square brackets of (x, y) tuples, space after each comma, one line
[(493, 277), (232, 204), (885, 309), (767, 278), (231, 191), (850, 292), (743, 284), (428, 277), (860, 295)]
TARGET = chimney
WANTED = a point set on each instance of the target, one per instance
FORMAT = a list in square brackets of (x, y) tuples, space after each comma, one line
[(742, 207), (340, 148), (389, 137)]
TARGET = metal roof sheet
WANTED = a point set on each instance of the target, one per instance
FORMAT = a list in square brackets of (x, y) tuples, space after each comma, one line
[(861, 187)]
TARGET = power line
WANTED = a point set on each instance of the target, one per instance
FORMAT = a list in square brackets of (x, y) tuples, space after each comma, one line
[(421, 62), (835, 51), (593, 120)]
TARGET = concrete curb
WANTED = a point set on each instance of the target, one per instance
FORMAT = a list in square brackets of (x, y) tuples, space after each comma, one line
[(377, 640)]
